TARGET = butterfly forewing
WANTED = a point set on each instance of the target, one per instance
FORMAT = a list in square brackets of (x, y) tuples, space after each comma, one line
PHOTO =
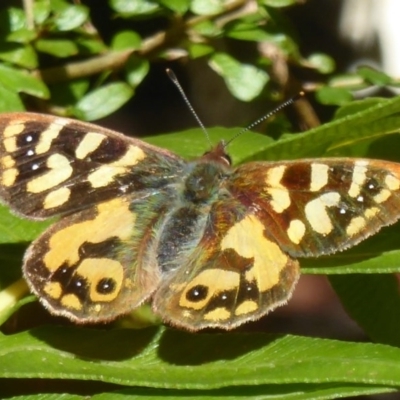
[(53, 166), (320, 206)]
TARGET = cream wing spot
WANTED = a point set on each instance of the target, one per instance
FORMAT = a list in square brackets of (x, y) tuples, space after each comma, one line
[(14, 129), (392, 182), (356, 225), (218, 314), (71, 301), (97, 308), (9, 177), (113, 219), (296, 231), (10, 133), (48, 135), (319, 176), (105, 174), (359, 176), (7, 162), (90, 142), (247, 239), (371, 212), (317, 215), (60, 170), (382, 196), (57, 198), (53, 289), (10, 144), (280, 197), (246, 307)]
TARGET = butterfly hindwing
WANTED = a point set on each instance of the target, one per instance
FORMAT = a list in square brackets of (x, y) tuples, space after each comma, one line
[(99, 263), (233, 274)]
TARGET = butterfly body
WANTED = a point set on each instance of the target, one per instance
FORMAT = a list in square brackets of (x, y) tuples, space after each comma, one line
[(209, 245)]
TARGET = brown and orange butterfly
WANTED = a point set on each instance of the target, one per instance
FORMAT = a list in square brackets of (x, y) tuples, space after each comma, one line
[(208, 244)]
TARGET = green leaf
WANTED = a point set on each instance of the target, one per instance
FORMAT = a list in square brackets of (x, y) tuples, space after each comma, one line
[(322, 63), (21, 36), (41, 11), (103, 101), (207, 7), (68, 93), (262, 392), (192, 142), (375, 77), (208, 28), (126, 40), (373, 301), (178, 6), (136, 69), (53, 396), (348, 81), (9, 99), (88, 45), (153, 359), (19, 81), (244, 81), (20, 54), (246, 31), (71, 17), (197, 50), (372, 123), (134, 8), (16, 230), (331, 95), (16, 18), (279, 3), (57, 47), (357, 106)]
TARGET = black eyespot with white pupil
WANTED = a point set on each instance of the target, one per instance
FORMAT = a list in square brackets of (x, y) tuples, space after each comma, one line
[(106, 286), (197, 293)]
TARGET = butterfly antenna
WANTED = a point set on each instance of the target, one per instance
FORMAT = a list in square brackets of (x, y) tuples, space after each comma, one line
[(266, 116), (174, 79)]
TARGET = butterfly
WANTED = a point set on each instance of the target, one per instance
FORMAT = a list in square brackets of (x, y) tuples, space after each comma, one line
[(207, 244)]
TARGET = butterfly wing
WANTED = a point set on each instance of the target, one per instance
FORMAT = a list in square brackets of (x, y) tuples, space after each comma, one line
[(51, 166), (236, 273), (99, 263), (320, 206)]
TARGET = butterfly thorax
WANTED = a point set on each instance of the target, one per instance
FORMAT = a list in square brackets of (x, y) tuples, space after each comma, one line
[(203, 185), (205, 181)]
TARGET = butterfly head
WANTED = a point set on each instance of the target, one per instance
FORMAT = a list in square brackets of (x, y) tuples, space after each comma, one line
[(218, 154)]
